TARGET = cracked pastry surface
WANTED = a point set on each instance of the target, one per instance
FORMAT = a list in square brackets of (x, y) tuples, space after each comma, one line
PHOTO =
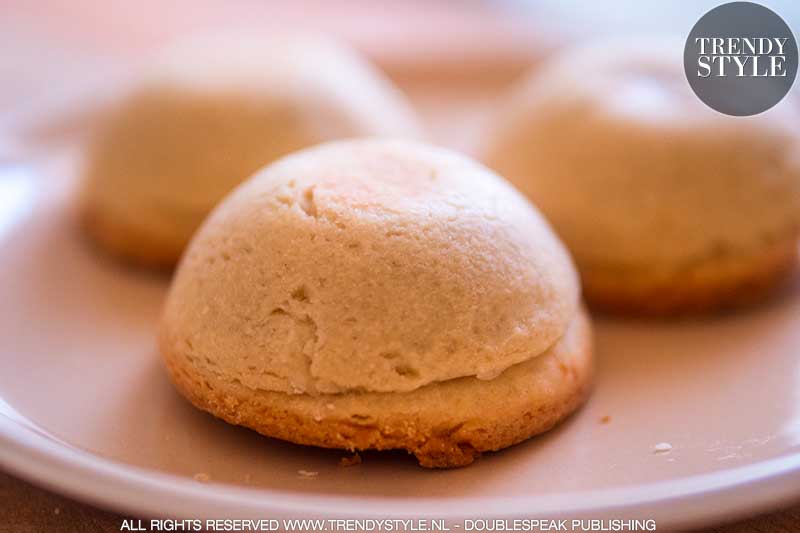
[(666, 205), (363, 271), (210, 113)]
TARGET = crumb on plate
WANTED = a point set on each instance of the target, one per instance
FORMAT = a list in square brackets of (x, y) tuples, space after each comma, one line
[(350, 460), (662, 447)]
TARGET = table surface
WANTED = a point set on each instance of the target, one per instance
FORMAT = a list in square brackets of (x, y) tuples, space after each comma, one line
[(25, 508)]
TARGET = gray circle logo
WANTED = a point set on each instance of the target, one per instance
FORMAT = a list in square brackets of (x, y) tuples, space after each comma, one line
[(740, 58)]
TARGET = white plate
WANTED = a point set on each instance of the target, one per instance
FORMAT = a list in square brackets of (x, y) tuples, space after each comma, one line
[(85, 408)]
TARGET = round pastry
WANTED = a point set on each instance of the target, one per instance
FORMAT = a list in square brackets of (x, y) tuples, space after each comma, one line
[(666, 205), (210, 114), (376, 295)]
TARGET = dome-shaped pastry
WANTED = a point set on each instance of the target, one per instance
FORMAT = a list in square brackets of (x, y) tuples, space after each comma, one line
[(207, 116), (379, 294), (666, 205)]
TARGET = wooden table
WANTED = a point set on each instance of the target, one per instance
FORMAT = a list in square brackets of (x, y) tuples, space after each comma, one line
[(25, 508)]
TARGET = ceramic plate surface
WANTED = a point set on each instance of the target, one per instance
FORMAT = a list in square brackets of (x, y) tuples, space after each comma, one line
[(86, 408)]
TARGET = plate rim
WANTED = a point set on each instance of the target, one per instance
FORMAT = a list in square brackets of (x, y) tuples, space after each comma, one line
[(691, 501)]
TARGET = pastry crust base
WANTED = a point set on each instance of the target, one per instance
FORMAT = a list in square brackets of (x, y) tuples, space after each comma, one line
[(126, 243), (712, 285), (445, 424)]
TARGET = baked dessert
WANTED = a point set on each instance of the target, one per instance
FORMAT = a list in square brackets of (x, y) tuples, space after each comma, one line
[(209, 114), (375, 295), (667, 206)]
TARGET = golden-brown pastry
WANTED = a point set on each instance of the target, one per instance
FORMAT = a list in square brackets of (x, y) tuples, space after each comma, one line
[(666, 205), (379, 294), (208, 115)]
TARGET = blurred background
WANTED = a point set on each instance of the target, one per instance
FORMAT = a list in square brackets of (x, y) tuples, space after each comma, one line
[(62, 59)]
